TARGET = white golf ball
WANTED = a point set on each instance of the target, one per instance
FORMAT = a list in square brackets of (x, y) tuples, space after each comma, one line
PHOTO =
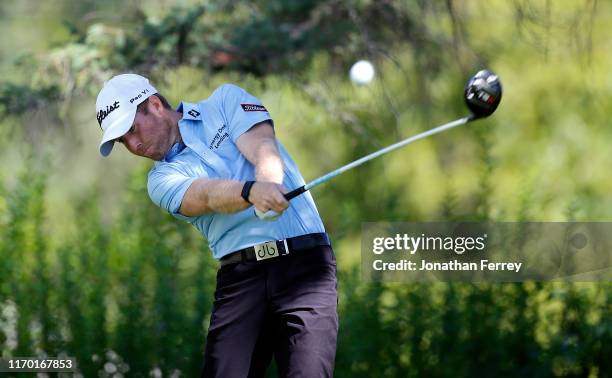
[(362, 72)]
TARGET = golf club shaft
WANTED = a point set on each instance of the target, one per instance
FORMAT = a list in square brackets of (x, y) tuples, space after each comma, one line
[(296, 192)]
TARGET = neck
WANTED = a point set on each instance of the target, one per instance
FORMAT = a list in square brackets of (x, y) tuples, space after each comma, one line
[(175, 118)]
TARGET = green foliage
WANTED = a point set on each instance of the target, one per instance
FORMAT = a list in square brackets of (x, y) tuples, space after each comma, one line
[(105, 293), (451, 330), (261, 38), (18, 99), (108, 291)]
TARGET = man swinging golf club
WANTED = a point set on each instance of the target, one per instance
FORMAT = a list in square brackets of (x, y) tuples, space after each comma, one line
[(276, 288)]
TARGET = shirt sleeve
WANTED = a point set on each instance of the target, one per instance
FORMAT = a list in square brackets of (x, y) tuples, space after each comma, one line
[(241, 110), (167, 186)]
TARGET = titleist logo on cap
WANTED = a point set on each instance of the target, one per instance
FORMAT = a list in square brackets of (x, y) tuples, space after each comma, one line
[(103, 113), (253, 108)]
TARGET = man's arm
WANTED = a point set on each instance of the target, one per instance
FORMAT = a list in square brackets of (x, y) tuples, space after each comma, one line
[(258, 145), (213, 196)]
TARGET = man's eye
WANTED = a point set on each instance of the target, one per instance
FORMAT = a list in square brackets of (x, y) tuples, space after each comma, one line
[(131, 130)]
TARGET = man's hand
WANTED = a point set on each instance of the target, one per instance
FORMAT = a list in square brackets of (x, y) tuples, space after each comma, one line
[(268, 196)]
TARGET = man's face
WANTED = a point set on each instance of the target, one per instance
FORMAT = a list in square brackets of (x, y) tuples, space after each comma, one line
[(151, 132)]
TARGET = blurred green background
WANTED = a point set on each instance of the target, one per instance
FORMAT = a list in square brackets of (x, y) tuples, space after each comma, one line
[(90, 268)]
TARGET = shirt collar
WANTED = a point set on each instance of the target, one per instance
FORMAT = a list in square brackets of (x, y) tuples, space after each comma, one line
[(190, 111)]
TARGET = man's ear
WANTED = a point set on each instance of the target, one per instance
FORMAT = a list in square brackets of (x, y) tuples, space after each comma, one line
[(155, 105)]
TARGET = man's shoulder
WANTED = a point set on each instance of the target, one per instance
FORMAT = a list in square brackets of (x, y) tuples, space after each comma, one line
[(224, 90), (227, 87), (176, 165)]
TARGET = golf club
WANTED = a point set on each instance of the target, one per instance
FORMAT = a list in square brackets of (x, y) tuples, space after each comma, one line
[(482, 95)]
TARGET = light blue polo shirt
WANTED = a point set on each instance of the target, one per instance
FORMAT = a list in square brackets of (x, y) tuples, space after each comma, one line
[(209, 130)]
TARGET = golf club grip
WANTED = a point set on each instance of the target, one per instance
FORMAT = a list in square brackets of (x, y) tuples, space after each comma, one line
[(271, 214), (295, 192)]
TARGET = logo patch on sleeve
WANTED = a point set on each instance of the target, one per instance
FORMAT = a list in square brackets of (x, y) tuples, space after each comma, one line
[(253, 108)]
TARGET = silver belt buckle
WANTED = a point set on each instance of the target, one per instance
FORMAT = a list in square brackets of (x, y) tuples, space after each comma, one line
[(268, 250)]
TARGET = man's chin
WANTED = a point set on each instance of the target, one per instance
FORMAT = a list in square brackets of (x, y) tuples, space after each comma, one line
[(156, 157), (152, 154)]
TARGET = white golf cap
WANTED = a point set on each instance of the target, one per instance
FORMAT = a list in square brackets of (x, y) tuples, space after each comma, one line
[(116, 106)]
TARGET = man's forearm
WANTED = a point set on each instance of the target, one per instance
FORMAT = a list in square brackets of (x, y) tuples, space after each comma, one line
[(212, 195)]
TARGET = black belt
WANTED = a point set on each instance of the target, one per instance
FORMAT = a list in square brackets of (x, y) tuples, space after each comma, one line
[(276, 248)]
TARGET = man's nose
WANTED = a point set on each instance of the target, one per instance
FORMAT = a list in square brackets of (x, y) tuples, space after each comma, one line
[(131, 142)]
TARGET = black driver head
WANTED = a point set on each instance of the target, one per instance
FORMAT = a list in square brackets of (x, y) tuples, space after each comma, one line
[(483, 93)]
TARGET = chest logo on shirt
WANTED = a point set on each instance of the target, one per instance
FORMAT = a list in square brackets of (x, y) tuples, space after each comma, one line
[(220, 136), (194, 113), (253, 108)]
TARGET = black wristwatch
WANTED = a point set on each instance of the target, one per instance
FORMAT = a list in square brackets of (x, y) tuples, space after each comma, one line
[(246, 190)]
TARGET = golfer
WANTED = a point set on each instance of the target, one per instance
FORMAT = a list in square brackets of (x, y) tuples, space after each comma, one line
[(214, 161)]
